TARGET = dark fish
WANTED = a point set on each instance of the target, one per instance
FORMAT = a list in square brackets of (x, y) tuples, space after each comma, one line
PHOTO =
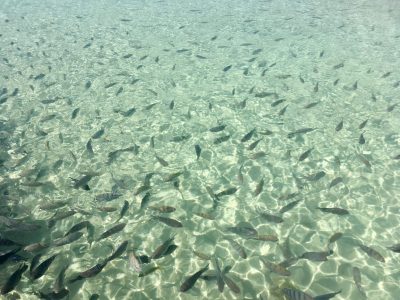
[(365, 161), (321, 53), (59, 290), (129, 112), (338, 66), (117, 253), (68, 239), (265, 94), (152, 142), (107, 197), (253, 145), (119, 91), (372, 253), (110, 84), (204, 215), (335, 237), (386, 74), (327, 296), (58, 216), (227, 192), (317, 176), (213, 197), (357, 280), (271, 218), (363, 124), (300, 131), (264, 237), (259, 187), (361, 139), (240, 175), (351, 88), (202, 255), (180, 138), (335, 181), (305, 154), (172, 177), (123, 211), (78, 226), (217, 128), (35, 261), (147, 179), (14, 279), (391, 107), (82, 182), (148, 271), (93, 271), (238, 248), (294, 294), (169, 221), (198, 150), (191, 280), (248, 136), (162, 161), (395, 248), (115, 229), (334, 210), (229, 282), (289, 206), (52, 205), (38, 77), (220, 280), (54, 295), (145, 200), (163, 209), (244, 231), (4, 256), (316, 256), (283, 110), (17, 225), (278, 269), (42, 268), (221, 139), (315, 90), (107, 208), (98, 134), (88, 84), (277, 102), (160, 250), (212, 275), (89, 147), (339, 126), (7, 242), (227, 68), (172, 104)]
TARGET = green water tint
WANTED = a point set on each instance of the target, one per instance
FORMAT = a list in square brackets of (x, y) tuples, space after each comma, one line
[(142, 141)]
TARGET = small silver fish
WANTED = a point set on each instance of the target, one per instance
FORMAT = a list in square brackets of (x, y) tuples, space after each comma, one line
[(372, 253), (357, 280), (134, 262)]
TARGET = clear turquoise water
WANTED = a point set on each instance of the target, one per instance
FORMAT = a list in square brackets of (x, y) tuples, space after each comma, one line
[(165, 51)]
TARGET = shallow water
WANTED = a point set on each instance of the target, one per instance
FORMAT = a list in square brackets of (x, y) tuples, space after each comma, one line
[(156, 76)]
